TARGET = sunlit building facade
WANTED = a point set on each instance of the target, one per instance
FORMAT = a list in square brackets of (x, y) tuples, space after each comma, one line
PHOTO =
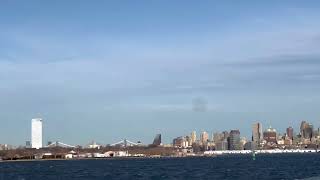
[(36, 133)]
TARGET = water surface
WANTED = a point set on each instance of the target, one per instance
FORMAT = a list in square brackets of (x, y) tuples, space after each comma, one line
[(281, 166)]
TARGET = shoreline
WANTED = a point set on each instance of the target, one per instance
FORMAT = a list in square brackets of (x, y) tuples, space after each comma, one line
[(163, 157), (104, 158), (263, 151)]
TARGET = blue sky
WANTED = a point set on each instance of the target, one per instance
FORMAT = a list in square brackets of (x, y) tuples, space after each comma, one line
[(107, 70)]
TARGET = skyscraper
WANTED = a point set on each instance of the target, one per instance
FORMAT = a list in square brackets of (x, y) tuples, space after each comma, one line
[(306, 130), (217, 137), (193, 137), (256, 134), (157, 140), (303, 125), (36, 133), (204, 137), (234, 140), (290, 132)]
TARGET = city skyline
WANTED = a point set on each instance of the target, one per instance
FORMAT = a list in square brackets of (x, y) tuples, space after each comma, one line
[(259, 134), (106, 71)]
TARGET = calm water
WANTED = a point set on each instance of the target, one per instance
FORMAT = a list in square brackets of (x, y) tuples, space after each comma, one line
[(223, 167)]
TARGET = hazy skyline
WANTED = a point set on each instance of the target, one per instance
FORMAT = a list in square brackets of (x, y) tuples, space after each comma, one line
[(108, 70)]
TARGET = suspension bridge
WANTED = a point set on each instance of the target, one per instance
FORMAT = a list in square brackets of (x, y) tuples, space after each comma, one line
[(125, 143), (59, 144)]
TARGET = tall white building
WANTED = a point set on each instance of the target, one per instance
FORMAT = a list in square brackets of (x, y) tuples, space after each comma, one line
[(36, 133)]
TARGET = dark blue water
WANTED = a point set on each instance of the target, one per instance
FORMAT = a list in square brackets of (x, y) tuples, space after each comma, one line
[(222, 167)]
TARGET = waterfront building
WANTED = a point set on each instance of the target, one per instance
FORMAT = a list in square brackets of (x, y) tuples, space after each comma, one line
[(220, 141), (178, 142), (36, 133), (288, 141), (225, 134), (218, 137), (185, 142), (94, 145), (280, 141), (234, 140), (204, 137), (243, 141), (290, 133), (188, 140), (181, 142), (306, 130), (222, 145), (270, 136), (256, 134), (248, 146)]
